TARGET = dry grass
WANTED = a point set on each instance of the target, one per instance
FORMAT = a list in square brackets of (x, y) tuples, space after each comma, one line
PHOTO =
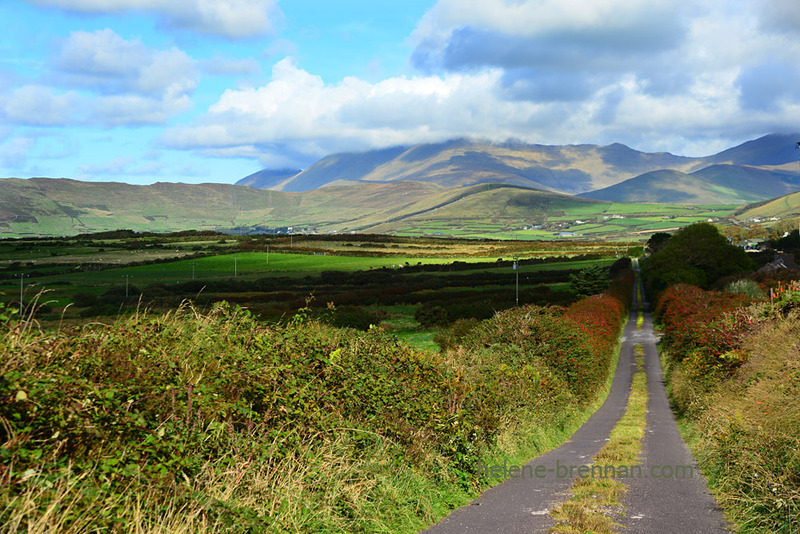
[(304, 492), (746, 432)]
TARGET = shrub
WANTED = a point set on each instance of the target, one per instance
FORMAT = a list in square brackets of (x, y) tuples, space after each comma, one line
[(450, 337), (746, 287), (245, 427), (746, 428), (703, 327), (590, 281), (696, 255), (84, 300), (428, 315), (356, 317)]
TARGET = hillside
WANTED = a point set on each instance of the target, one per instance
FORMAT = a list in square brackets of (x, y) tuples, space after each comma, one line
[(721, 183), (53, 207), (782, 207), (772, 149), (433, 188), (42, 206)]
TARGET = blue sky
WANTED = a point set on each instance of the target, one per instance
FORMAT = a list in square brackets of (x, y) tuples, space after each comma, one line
[(143, 91)]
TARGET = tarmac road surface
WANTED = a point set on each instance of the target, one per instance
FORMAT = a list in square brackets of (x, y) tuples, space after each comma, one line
[(665, 500)]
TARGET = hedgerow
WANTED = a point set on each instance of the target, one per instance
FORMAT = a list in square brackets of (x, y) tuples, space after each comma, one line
[(733, 374), (704, 329), (213, 422)]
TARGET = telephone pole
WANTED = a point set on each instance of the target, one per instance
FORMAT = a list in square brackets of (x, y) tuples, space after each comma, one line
[(21, 292), (516, 271), (127, 278)]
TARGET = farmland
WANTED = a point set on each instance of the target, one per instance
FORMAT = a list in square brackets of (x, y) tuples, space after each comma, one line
[(347, 280)]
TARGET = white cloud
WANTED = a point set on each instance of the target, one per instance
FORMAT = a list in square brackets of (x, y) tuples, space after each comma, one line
[(228, 18), (137, 110), (14, 152), (222, 66), (116, 82), (654, 74), (37, 105), (298, 107), (103, 61), (296, 112)]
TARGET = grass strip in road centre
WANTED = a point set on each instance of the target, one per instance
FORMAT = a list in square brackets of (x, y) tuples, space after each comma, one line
[(595, 501)]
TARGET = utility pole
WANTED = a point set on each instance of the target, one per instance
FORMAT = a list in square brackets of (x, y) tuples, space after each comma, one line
[(127, 277), (193, 264), (267, 245), (21, 292), (235, 265), (516, 270)]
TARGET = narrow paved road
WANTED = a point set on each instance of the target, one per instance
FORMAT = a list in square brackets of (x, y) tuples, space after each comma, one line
[(522, 505), (672, 495)]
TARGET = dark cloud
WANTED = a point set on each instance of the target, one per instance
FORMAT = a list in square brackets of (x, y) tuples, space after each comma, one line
[(665, 81), (607, 112), (561, 64), (780, 15), (548, 85), (767, 87), (608, 48)]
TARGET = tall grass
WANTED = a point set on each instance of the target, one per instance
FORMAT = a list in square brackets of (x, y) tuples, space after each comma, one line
[(212, 422)]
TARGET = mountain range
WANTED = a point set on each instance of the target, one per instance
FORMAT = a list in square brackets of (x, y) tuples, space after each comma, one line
[(756, 170), (430, 188)]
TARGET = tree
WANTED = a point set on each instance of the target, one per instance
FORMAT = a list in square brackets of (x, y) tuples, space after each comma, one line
[(698, 255), (735, 233), (590, 281), (657, 242)]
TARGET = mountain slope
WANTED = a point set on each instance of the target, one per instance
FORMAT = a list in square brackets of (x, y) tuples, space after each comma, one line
[(782, 207), (43, 206), (572, 169), (340, 167), (716, 184), (267, 178), (459, 163), (772, 149)]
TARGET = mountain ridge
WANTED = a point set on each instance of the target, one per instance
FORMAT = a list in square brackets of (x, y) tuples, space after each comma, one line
[(435, 184), (581, 169)]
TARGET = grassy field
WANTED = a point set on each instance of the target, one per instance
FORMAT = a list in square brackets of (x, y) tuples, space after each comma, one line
[(611, 221), (378, 280)]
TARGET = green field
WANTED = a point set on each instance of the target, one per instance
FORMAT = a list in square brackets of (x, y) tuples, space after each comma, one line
[(369, 279)]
